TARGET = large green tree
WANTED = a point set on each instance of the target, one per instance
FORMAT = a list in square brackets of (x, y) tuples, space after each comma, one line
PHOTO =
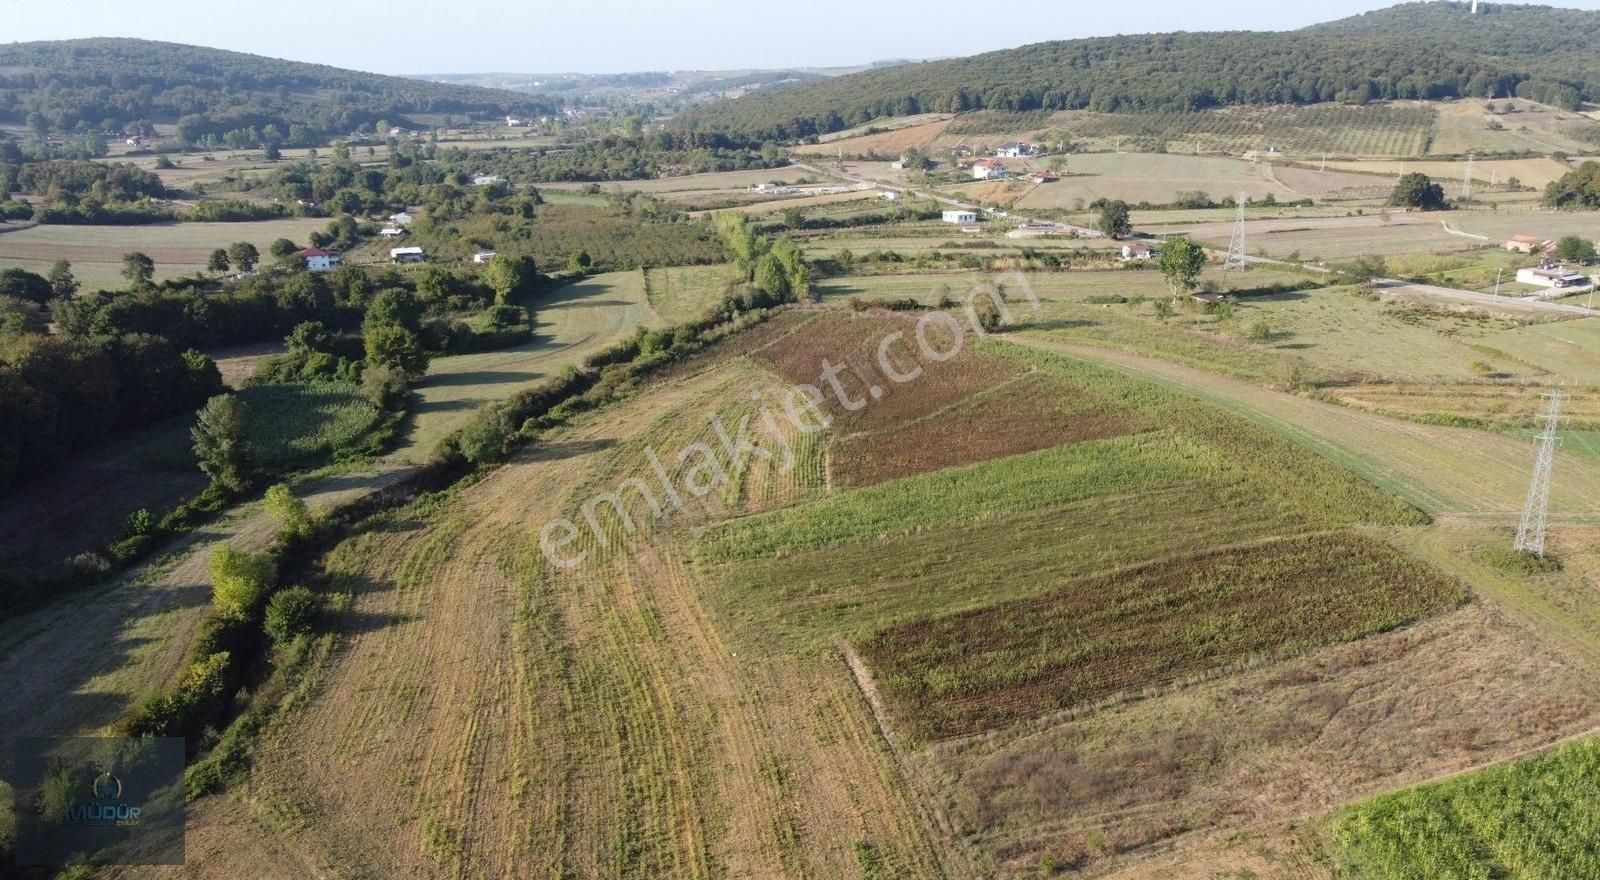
[(1115, 218), (138, 268), (1417, 190), (222, 443), (510, 276), (1182, 261), (1576, 249), (392, 345)]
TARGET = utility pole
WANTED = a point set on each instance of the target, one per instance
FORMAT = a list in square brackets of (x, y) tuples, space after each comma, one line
[(1531, 533), (1497, 274)]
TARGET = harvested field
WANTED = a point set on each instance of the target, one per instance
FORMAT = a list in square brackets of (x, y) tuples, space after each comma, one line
[(856, 342), (683, 293), (1219, 777), (1529, 172), (1158, 179), (1151, 627), (177, 248), (883, 143), (721, 181), (1027, 414), (1487, 404)]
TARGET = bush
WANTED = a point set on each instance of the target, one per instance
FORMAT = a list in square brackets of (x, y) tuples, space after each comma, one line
[(295, 520), (289, 614), (239, 581), (385, 387), (1260, 331)]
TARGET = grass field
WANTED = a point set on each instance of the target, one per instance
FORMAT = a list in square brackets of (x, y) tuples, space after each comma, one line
[(1523, 820), (1464, 127), (1149, 627), (683, 293), (177, 248), (1158, 179), (574, 321), (1486, 172)]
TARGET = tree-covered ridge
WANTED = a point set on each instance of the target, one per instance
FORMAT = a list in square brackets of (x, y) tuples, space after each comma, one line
[(113, 84), (1414, 51)]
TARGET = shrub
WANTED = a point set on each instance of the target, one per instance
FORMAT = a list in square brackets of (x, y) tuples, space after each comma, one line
[(295, 520), (239, 580), (385, 387), (1260, 331), (289, 614)]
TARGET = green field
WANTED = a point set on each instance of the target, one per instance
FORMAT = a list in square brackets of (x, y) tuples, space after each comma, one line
[(683, 293), (1530, 819), (298, 423)]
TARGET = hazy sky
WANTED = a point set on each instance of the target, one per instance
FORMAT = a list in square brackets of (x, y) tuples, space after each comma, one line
[(604, 36)]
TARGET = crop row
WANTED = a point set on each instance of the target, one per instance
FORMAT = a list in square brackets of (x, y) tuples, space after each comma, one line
[(1152, 626)]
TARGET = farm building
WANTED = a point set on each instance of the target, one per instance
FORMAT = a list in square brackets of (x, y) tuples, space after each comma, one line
[(406, 255), (1043, 228), (1525, 244), (889, 195), (1044, 177), (482, 257), (319, 260), (988, 169), (1138, 250), (487, 180), (1553, 276), (391, 232), (961, 217), (1015, 150), (403, 218)]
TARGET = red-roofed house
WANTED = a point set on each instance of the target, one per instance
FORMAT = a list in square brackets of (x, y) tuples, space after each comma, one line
[(319, 260), (989, 169)]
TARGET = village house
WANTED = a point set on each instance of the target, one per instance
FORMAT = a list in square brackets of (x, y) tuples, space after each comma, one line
[(406, 255), (988, 169), (1525, 244), (961, 217), (403, 218), (487, 180), (1044, 177), (889, 195), (1015, 150), (1138, 250), (319, 260), (482, 257), (392, 232), (1554, 276)]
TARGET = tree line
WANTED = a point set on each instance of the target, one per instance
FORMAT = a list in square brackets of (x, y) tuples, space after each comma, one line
[(121, 84), (1439, 52)]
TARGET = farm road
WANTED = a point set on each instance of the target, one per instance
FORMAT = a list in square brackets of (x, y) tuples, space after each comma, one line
[(1448, 472)]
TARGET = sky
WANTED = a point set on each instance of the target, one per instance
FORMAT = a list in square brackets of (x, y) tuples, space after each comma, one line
[(611, 36)]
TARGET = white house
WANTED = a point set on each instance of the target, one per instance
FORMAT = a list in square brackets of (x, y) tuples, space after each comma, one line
[(391, 232), (988, 169), (1015, 150), (1553, 276), (513, 122), (889, 195), (403, 218), (961, 217), (1138, 250), (487, 180), (406, 255), (482, 257), (319, 260)]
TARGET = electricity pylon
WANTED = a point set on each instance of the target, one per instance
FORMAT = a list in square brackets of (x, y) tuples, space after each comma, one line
[(1466, 182), (1530, 535), (1236, 256)]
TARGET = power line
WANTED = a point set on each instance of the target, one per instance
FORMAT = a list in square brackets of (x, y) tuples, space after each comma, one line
[(1530, 534)]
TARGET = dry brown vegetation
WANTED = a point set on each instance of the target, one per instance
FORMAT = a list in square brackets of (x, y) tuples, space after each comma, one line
[(1029, 413), (1126, 632), (1257, 750)]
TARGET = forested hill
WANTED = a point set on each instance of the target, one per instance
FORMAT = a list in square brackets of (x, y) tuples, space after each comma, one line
[(112, 84), (1416, 51)]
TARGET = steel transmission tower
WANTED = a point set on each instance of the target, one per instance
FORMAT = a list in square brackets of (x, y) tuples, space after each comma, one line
[(1236, 257), (1466, 182), (1530, 535)]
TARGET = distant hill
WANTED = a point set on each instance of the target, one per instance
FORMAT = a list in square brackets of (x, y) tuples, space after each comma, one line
[(666, 90), (1413, 51), (111, 84)]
